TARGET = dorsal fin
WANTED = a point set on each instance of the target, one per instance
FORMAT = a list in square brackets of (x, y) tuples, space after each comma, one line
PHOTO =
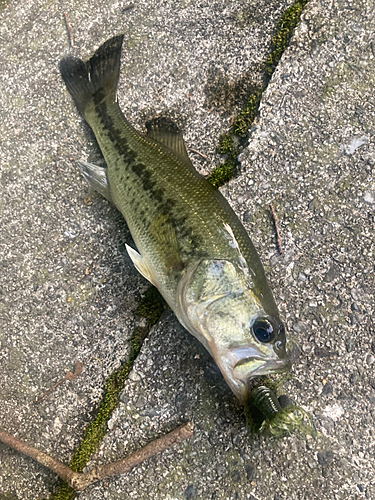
[(164, 131)]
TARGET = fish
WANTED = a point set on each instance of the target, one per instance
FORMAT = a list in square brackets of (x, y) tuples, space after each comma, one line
[(189, 242)]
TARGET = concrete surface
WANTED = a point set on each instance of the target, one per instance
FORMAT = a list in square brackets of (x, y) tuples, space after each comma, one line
[(68, 291)]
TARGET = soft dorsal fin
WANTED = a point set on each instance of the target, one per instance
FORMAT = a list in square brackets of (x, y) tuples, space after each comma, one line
[(164, 131)]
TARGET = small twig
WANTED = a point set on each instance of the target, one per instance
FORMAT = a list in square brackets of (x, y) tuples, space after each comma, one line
[(57, 160), (198, 153), (80, 481), (278, 239), (128, 7), (60, 469), (69, 376), (69, 30)]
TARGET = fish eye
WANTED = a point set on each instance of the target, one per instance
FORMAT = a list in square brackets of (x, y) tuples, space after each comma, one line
[(263, 330)]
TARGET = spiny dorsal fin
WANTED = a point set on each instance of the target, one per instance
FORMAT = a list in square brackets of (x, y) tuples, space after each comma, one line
[(164, 131)]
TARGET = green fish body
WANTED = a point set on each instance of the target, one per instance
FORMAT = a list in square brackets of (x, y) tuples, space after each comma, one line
[(190, 243)]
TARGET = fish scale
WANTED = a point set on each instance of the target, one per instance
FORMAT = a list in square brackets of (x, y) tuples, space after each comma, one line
[(191, 197), (190, 243)]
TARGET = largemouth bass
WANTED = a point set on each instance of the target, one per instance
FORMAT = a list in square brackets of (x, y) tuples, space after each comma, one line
[(190, 243)]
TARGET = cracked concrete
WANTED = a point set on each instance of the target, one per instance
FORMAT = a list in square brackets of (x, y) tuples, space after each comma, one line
[(68, 291)]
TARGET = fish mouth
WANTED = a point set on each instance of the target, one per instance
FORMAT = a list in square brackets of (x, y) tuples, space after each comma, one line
[(273, 366), (239, 374), (238, 369), (256, 366)]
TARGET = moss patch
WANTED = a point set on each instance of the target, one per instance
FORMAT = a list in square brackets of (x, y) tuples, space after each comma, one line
[(246, 117), (285, 28), (243, 122), (7, 496), (151, 308), (225, 145), (222, 174)]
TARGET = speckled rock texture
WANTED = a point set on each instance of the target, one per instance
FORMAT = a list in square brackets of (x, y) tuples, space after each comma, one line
[(68, 290)]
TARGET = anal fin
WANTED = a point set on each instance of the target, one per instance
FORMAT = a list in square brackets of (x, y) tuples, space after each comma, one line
[(96, 177)]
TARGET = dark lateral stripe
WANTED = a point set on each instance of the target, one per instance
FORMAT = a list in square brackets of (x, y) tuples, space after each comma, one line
[(142, 181), (106, 112)]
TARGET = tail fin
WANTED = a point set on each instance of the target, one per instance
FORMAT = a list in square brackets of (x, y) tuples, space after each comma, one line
[(95, 78)]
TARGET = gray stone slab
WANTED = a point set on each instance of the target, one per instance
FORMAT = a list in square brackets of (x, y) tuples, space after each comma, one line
[(311, 154)]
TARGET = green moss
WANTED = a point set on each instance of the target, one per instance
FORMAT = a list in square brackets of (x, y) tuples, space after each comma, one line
[(224, 172), (131, 43), (285, 28), (151, 308), (65, 492), (225, 145), (246, 117), (7, 496), (345, 184), (221, 174)]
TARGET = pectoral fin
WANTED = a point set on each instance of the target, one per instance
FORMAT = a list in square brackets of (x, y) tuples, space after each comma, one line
[(96, 177), (165, 235), (140, 264)]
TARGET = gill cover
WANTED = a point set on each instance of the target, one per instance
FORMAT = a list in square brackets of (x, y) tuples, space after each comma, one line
[(217, 304)]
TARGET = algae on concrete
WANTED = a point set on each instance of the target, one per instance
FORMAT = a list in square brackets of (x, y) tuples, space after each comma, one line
[(243, 122)]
